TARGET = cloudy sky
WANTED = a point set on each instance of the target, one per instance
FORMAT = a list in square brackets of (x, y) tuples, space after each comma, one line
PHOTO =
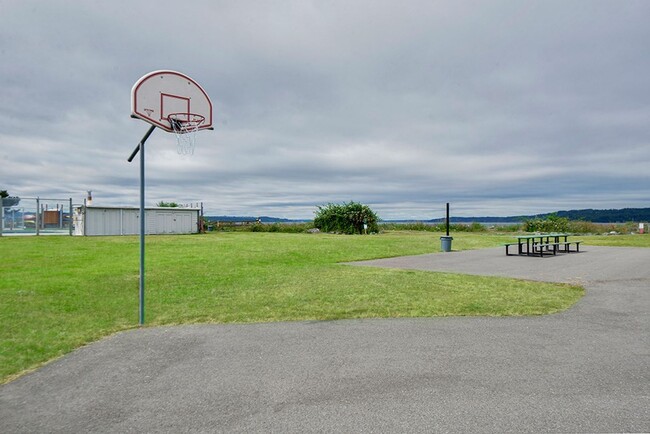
[(499, 107)]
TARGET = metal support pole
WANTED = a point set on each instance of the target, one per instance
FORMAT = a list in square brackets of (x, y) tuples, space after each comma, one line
[(142, 232), (70, 217), (2, 215), (141, 144), (447, 219), (202, 223), (445, 242), (140, 148)]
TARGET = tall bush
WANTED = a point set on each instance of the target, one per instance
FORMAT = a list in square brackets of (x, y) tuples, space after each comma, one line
[(552, 223), (346, 218)]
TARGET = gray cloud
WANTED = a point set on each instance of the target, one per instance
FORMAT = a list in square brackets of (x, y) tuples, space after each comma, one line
[(501, 108)]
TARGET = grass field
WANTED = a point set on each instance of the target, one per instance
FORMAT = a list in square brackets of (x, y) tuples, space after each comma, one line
[(59, 293)]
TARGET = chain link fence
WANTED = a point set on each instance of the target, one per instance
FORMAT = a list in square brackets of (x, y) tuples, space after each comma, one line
[(36, 216)]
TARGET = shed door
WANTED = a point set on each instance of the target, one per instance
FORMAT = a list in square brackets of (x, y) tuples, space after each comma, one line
[(186, 223)]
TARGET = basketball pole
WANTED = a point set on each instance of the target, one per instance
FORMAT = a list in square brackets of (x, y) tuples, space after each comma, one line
[(140, 148)]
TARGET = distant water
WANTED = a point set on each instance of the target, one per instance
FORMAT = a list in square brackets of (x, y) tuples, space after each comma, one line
[(487, 224)]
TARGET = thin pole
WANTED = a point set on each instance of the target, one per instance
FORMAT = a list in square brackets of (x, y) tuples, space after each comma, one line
[(142, 228), (37, 219), (70, 217), (141, 144), (140, 148), (447, 219), (201, 223)]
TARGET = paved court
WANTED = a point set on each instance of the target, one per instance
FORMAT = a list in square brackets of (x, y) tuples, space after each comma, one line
[(584, 370)]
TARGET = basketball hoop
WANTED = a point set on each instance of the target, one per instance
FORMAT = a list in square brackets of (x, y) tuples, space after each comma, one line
[(185, 126), (174, 103)]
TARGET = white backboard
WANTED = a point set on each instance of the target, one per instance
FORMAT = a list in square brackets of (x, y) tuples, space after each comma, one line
[(160, 93)]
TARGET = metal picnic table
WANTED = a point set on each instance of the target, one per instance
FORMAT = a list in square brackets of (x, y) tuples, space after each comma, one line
[(540, 244)]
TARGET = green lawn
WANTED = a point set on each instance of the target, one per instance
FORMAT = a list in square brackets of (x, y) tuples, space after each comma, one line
[(59, 293)]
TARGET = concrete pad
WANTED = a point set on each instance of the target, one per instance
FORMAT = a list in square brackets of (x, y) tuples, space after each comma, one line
[(593, 263)]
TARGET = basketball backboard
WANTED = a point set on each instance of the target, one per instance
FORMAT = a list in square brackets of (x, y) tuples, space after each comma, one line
[(162, 96)]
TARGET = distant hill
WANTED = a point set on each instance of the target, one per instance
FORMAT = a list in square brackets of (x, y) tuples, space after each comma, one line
[(608, 215), (589, 215)]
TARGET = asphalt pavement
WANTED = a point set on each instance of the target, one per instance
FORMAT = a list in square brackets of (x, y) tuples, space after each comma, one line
[(583, 370)]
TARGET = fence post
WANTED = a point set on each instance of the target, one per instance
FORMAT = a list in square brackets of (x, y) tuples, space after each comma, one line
[(37, 220), (2, 215), (201, 223), (70, 218)]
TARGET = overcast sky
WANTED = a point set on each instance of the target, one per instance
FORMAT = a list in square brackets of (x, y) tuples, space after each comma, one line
[(499, 107)]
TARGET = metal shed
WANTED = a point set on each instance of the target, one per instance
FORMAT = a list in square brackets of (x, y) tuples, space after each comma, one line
[(95, 220)]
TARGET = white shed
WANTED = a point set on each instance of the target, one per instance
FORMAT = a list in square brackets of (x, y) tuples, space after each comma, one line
[(95, 220)]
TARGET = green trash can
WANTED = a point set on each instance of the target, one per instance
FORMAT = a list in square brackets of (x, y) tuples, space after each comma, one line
[(445, 244)]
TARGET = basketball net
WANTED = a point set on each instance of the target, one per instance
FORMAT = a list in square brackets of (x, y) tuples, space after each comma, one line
[(185, 126)]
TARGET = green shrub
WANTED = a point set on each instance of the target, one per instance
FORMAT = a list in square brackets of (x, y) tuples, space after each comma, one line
[(438, 227), (476, 227), (552, 223), (164, 204), (346, 218), (258, 227), (287, 228), (507, 228), (415, 226), (583, 227)]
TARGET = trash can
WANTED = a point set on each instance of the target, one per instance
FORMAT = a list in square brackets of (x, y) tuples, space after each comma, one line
[(445, 244)]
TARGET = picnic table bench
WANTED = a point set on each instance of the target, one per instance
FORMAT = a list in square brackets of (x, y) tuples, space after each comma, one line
[(543, 244)]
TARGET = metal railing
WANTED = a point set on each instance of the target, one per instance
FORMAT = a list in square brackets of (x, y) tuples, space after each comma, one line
[(36, 216)]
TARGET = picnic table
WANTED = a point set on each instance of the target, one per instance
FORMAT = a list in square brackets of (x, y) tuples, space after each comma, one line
[(543, 244)]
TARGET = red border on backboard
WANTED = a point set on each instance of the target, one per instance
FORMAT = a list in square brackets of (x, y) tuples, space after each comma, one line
[(135, 113)]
